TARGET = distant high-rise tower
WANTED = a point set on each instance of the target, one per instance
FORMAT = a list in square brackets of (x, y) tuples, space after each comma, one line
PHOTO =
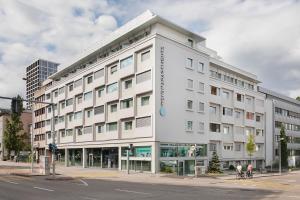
[(36, 73)]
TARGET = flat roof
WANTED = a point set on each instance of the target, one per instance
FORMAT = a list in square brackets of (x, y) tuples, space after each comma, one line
[(278, 95), (139, 23)]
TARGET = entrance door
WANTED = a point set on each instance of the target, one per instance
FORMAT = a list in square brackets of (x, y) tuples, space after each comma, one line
[(180, 168), (91, 160)]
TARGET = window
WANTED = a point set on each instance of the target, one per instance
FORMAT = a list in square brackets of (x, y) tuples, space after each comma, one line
[(78, 115), (88, 130), (145, 56), (113, 126), (88, 96), (113, 108), (189, 63), (79, 99), (226, 129), (113, 69), (142, 77), (238, 114), (259, 132), (258, 118), (189, 125), (200, 67), (212, 147), (61, 90), (70, 117), (99, 110), (238, 147), (62, 133), (145, 100), (213, 110), (228, 147), (143, 122), (48, 96), (127, 103), (49, 109), (240, 97), (89, 79), (126, 62), (201, 127), (189, 104), (128, 125), (190, 84), (71, 86), (99, 74), (249, 100), (62, 104), (88, 113), (250, 115), (78, 83), (214, 90), (128, 84), (201, 107), (69, 132), (100, 92), (100, 128), (227, 111), (201, 87), (112, 87), (56, 93), (225, 94), (61, 119), (190, 43), (249, 131), (214, 127), (69, 102)]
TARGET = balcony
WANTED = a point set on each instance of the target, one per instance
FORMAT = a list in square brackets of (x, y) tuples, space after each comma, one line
[(215, 99), (239, 105), (127, 93), (99, 118), (143, 132), (227, 119), (66, 139), (127, 71), (259, 109), (214, 117), (239, 137), (60, 125), (126, 112), (112, 135), (84, 137), (111, 96), (259, 139), (143, 87), (112, 116), (249, 122), (215, 136)]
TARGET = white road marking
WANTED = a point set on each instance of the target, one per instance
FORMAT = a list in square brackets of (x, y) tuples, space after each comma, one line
[(84, 183), (89, 198), (135, 192), (296, 197), (11, 182), (39, 188)]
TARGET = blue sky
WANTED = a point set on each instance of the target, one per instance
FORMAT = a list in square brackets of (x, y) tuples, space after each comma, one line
[(262, 37)]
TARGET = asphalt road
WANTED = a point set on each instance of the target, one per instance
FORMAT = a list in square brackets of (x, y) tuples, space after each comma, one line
[(36, 188)]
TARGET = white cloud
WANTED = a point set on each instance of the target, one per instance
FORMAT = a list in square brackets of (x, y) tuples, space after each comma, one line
[(259, 36)]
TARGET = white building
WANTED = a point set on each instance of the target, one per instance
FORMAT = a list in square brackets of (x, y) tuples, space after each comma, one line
[(157, 86), (281, 110)]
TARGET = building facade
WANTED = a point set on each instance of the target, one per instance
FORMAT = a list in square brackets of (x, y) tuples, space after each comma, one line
[(156, 86), (36, 73), (282, 111)]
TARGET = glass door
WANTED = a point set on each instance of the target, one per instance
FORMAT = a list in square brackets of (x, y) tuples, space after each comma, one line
[(91, 160), (180, 168)]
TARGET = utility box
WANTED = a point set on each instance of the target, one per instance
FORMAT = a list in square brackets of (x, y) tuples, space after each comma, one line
[(45, 165), (200, 170)]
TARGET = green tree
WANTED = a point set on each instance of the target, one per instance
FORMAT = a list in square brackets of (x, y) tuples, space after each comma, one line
[(283, 148), (250, 147), (12, 140), (298, 98), (214, 164)]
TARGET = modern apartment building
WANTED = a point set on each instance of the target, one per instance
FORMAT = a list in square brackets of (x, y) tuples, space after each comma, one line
[(36, 73), (154, 85), (281, 110)]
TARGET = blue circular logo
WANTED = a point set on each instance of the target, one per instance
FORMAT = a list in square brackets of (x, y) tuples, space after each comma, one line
[(162, 111)]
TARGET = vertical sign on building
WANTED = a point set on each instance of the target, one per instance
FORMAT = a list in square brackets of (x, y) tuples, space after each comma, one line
[(162, 110)]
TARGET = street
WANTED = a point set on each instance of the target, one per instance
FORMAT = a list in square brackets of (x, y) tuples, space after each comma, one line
[(37, 187)]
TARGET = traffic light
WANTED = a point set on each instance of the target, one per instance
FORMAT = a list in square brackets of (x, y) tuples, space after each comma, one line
[(16, 105)]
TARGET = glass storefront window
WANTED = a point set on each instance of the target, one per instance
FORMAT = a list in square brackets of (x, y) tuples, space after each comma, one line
[(182, 150), (137, 152), (169, 166)]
